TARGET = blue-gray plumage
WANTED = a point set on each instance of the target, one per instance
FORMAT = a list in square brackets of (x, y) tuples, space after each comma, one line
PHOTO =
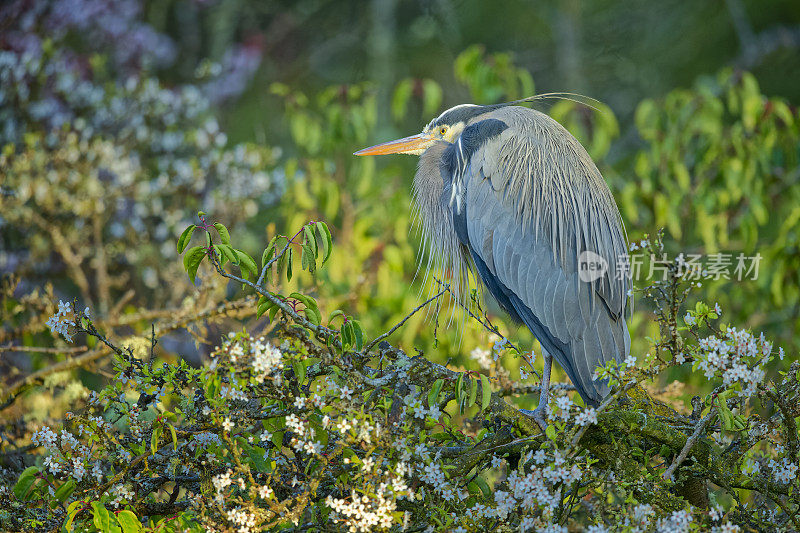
[(507, 193)]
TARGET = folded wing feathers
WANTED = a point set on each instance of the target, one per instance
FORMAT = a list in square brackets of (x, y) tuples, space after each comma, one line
[(562, 207)]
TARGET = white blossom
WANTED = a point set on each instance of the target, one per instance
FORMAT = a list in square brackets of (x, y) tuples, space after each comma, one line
[(784, 471), (266, 359), (586, 417), (564, 404), (483, 357), (677, 522), (245, 520), (60, 322), (737, 357)]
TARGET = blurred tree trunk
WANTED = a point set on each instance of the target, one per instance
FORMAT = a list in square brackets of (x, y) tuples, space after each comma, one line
[(567, 33), (381, 53)]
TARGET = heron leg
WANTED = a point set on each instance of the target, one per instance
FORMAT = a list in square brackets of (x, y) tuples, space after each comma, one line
[(540, 413)]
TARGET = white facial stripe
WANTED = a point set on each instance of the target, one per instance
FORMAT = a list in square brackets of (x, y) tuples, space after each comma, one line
[(455, 107)]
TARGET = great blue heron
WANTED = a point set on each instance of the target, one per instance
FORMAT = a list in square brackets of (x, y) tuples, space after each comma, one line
[(507, 192)]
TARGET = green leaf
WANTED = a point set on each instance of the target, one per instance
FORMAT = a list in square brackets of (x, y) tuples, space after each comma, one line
[(312, 312), (72, 511), (277, 438), (308, 233), (289, 265), (247, 264), (225, 251), (432, 96), (459, 392), (307, 260), (256, 455), (473, 392), (186, 236), (487, 492), (725, 414), (358, 333), (101, 518), (154, 438), (299, 371), (65, 490), (646, 118), (327, 241), (174, 436), (402, 93), (486, 393), (272, 312), (129, 522), (224, 236), (26, 480), (440, 437), (264, 305), (282, 260), (192, 260), (269, 251), (347, 334), (433, 395), (550, 432)]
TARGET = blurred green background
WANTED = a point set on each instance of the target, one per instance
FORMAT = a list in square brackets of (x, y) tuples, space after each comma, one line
[(120, 120)]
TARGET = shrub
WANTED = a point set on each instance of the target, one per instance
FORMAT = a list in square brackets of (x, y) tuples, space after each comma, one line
[(309, 425)]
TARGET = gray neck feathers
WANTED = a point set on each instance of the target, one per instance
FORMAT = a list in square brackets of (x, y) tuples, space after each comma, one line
[(445, 254)]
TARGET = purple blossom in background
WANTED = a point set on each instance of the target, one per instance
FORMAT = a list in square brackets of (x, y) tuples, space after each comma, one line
[(159, 146), (235, 71), (110, 26)]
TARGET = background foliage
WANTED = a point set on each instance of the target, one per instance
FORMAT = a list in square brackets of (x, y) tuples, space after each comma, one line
[(120, 119)]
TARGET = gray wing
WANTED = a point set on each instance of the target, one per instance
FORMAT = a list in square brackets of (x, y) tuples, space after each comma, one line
[(533, 203)]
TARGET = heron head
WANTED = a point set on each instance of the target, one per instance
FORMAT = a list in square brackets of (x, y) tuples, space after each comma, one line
[(446, 127)]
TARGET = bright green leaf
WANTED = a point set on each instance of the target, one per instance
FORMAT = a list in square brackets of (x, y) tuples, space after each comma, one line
[(192, 260), (224, 236), (247, 264), (299, 371), (327, 241), (186, 236), (433, 395), (101, 518), (486, 393), (25, 482), (473, 392), (154, 439), (65, 490), (129, 522)]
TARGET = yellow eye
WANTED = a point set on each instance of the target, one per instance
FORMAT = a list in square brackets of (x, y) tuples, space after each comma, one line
[(442, 130)]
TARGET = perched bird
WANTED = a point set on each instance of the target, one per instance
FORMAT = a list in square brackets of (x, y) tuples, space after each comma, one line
[(507, 193)]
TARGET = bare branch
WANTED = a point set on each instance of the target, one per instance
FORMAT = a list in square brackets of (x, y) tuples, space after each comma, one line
[(699, 428), (400, 324)]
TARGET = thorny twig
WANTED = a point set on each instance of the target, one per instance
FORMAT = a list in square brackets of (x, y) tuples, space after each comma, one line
[(394, 328), (699, 428), (39, 349), (16, 388), (491, 328), (269, 263), (603, 406)]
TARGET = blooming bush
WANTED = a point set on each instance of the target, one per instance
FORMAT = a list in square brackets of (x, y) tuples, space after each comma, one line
[(102, 159), (305, 417), (309, 424)]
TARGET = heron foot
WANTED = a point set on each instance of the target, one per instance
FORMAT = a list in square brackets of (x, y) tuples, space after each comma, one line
[(539, 415)]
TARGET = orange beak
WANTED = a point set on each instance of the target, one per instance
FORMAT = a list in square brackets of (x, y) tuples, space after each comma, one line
[(415, 144)]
